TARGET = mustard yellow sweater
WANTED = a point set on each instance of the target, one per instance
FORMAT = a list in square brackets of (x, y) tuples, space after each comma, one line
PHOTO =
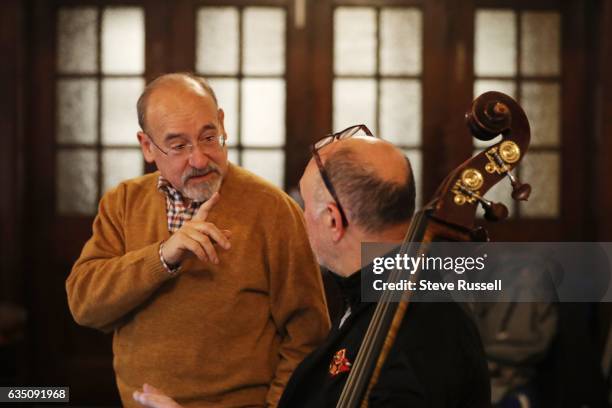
[(225, 335)]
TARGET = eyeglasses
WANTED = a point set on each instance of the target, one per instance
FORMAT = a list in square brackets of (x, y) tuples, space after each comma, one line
[(180, 149), (344, 134)]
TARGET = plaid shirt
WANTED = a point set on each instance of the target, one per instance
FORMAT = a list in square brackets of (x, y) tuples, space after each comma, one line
[(175, 206)]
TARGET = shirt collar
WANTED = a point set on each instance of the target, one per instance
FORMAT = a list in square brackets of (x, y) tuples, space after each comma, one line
[(164, 186), (350, 287)]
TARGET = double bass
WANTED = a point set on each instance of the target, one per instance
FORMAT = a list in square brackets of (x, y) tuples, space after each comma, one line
[(449, 216)]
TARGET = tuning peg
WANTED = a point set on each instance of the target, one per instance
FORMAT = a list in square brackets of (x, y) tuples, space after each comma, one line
[(494, 211), (520, 191)]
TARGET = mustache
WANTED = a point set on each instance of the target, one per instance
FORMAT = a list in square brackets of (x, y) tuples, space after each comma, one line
[(210, 168)]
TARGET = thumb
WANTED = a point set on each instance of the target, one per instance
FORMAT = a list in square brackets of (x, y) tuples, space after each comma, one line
[(205, 208)]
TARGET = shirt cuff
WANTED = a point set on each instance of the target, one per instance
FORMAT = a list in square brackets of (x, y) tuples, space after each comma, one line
[(171, 269)]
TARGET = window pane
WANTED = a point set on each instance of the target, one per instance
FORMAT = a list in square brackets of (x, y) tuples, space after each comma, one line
[(263, 112), (354, 40), (495, 46), (232, 155), (400, 41), (400, 111), (416, 162), (264, 40), (76, 40), (541, 102), (541, 40), (485, 85), (483, 144), (226, 90), (354, 102), (77, 110), (76, 182), (217, 40), (267, 164), (119, 119), (119, 165), (542, 171), (123, 40)]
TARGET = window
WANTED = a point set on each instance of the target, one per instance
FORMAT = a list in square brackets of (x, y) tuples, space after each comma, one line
[(518, 53), (241, 51), (377, 75), (100, 74)]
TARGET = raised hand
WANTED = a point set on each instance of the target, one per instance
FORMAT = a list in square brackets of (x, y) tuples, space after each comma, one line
[(197, 237)]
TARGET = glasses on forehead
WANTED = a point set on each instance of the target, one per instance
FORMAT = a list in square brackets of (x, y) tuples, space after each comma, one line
[(356, 130), (209, 144)]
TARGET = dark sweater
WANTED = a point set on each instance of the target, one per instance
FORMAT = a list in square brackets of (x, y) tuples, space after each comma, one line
[(437, 359)]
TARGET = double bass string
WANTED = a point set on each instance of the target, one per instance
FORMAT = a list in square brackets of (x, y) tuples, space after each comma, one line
[(378, 320), (381, 314)]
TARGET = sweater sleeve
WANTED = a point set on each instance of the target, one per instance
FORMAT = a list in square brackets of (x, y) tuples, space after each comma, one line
[(106, 282), (296, 295)]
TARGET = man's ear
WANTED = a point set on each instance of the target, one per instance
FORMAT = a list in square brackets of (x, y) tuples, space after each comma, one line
[(221, 118), (334, 222), (146, 146)]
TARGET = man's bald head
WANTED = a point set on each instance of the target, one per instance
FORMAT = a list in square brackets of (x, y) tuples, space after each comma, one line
[(373, 180), (179, 81)]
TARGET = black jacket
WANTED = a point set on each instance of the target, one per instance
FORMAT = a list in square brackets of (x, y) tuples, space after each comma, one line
[(437, 359)]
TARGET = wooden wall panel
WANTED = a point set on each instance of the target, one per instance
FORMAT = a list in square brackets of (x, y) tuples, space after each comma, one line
[(601, 199), (12, 47)]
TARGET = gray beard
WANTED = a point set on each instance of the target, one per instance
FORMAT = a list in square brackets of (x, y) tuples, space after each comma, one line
[(202, 191)]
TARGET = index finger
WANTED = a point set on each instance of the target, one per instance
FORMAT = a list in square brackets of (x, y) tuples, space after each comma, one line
[(205, 208)]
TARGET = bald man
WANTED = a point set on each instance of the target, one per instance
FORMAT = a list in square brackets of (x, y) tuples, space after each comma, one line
[(202, 269), (356, 189)]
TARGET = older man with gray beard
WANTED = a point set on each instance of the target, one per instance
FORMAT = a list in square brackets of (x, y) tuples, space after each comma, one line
[(202, 269)]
